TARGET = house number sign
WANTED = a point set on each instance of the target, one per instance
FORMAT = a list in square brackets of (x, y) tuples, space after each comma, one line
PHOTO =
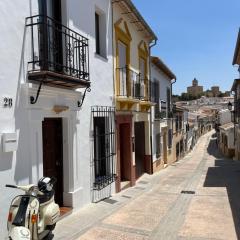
[(7, 102)]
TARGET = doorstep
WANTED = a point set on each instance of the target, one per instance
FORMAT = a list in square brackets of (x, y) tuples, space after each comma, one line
[(65, 211)]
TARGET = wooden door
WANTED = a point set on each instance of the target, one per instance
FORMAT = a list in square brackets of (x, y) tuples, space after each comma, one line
[(125, 152), (53, 154), (139, 129)]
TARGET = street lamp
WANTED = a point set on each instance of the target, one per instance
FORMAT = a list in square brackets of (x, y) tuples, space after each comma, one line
[(230, 106)]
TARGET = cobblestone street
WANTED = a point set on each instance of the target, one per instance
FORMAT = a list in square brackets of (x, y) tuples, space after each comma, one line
[(156, 209)]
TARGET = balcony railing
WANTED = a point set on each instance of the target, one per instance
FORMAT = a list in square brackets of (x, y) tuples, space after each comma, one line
[(58, 53), (131, 84)]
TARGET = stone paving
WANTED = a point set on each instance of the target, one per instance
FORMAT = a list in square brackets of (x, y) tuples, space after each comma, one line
[(156, 209)]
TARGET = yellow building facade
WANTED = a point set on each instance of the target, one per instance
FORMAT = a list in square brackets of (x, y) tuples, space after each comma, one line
[(132, 38)]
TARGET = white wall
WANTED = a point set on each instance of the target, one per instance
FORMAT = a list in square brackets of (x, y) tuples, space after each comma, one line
[(164, 83), (25, 165), (12, 25), (163, 79), (231, 144), (224, 116)]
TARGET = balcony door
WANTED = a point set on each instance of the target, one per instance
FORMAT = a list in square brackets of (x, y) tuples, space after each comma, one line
[(142, 63), (51, 50), (122, 63)]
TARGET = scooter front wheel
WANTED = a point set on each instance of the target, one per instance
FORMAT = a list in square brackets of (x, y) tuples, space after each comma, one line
[(50, 236)]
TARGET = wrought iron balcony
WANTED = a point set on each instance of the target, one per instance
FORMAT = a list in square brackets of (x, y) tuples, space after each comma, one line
[(131, 84), (160, 115), (59, 55)]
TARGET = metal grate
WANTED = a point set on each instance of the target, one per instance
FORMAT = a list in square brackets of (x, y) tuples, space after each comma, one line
[(125, 196), (187, 192), (104, 146), (143, 182), (140, 188), (110, 201)]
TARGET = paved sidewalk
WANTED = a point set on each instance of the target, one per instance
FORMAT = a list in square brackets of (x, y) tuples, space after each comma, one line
[(156, 209)]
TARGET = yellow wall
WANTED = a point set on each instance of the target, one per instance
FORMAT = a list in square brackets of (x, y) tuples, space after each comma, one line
[(137, 40)]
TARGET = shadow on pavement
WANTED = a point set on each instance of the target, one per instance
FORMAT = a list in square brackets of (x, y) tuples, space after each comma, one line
[(225, 173)]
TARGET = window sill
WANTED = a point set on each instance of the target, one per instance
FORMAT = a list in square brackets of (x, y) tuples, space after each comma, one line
[(101, 57)]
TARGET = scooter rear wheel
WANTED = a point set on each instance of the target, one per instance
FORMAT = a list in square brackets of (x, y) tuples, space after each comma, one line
[(51, 227)]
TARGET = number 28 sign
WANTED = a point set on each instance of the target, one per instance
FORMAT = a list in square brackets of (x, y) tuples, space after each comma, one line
[(7, 102)]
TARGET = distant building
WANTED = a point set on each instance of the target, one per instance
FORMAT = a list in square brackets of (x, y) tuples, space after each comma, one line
[(215, 91), (195, 90), (208, 93), (227, 94)]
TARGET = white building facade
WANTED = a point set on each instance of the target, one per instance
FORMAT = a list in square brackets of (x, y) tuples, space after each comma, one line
[(57, 127), (162, 123)]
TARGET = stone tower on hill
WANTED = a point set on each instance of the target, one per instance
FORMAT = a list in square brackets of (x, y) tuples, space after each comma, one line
[(195, 90)]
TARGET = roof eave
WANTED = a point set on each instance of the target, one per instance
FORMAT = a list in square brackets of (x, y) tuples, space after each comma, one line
[(163, 67), (237, 51), (141, 19), (236, 81)]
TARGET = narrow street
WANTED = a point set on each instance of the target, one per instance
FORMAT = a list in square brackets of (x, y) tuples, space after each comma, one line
[(156, 208)]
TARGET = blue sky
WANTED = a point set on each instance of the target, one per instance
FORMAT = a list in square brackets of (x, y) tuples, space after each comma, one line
[(196, 38)]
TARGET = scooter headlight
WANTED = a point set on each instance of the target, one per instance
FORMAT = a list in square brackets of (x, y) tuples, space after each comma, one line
[(34, 218)]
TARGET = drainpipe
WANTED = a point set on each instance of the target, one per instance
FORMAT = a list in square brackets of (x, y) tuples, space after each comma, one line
[(151, 129), (113, 59), (172, 82)]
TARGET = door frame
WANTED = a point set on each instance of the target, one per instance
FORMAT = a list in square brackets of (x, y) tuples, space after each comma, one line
[(124, 119), (68, 157)]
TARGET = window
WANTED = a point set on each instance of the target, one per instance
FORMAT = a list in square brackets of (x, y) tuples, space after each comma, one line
[(163, 109), (104, 146), (155, 95), (100, 33), (122, 68), (142, 63), (97, 33), (177, 123)]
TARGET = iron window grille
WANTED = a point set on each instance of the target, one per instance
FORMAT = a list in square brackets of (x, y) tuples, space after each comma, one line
[(104, 146), (58, 49)]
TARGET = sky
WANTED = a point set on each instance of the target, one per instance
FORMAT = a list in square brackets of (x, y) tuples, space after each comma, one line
[(196, 39)]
